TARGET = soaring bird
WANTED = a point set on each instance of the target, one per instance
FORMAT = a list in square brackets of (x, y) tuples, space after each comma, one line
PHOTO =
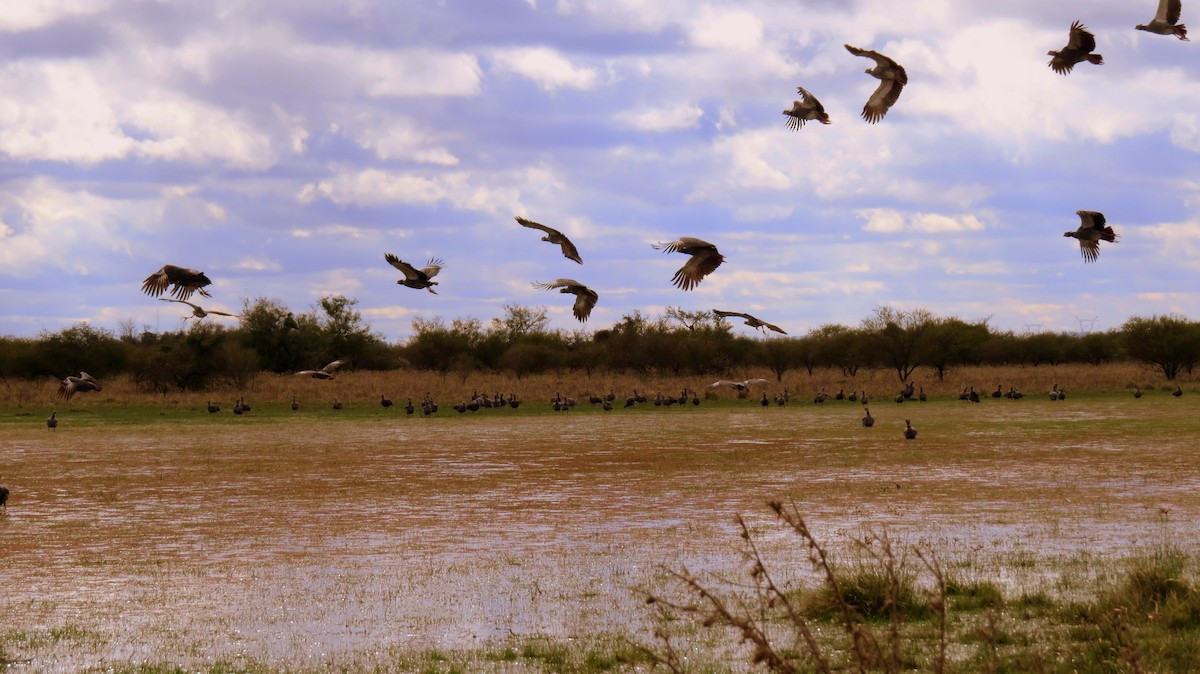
[(325, 372), (751, 321), (892, 79), (197, 311), (554, 236), (705, 259), (738, 385), (185, 282), (71, 385), (585, 297), (413, 277), (1165, 21), (1091, 232), (807, 109), (1079, 48)]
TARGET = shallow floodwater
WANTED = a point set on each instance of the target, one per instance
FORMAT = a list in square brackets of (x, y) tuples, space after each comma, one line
[(305, 539)]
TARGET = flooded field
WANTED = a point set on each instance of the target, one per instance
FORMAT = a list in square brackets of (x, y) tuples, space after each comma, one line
[(304, 540)]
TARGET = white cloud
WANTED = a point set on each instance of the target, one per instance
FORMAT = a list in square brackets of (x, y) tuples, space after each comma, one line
[(24, 15), (724, 28), (548, 68), (656, 120), (890, 221)]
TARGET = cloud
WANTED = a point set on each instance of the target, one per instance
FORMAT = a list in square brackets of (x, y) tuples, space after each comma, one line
[(657, 120), (546, 67), (890, 221)]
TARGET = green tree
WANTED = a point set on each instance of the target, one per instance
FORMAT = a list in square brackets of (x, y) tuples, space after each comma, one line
[(1171, 342), (840, 346), (899, 338), (953, 342)]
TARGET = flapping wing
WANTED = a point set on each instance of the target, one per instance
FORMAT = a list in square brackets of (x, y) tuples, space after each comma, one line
[(884, 97), (333, 366), (434, 266), (1081, 40), (156, 283), (535, 225), (702, 263), (1092, 220), (1169, 11), (1090, 248), (879, 59), (585, 301), (410, 272), (728, 314)]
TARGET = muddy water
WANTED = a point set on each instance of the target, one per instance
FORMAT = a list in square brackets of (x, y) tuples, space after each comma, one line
[(302, 541)]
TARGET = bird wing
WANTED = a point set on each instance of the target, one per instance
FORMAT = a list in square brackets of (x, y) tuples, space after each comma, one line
[(1092, 220), (775, 328), (1090, 249), (536, 225), (333, 366), (434, 266), (1081, 40), (884, 97), (156, 283), (727, 314), (723, 382), (756, 380), (169, 299), (1169, 10), (66, 388), (557, 283), (879, 59), (702, 263), (185, 280), (221, 313), (410, 272), (585, 301), (569, 250)]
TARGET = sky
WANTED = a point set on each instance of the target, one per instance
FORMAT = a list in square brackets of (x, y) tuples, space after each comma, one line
[(284, 147)]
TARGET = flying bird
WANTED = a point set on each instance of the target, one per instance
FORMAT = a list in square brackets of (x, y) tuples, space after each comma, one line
[(413, 277), (185, 282), (738, 385), (71, 385), (807, 109), (705, 259), (892, 79), (325, 372), (1079, 48), (197, 311), (1091, 232), (554, 236), (751, 321), (585, 297), (1166, 20)]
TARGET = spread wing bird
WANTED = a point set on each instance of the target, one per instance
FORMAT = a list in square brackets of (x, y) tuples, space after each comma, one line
[(585, 297), (197, 311), (705, 259), (325, 372), (892, 79), (554, 236), (807, 109), (738, 385), (413, 277), (1091, 232), (185, 282), (751, 321), (71, 385), (1166, 20), (1079, 48)]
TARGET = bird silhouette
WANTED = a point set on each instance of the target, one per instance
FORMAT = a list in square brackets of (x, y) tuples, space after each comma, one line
[(52, 422), (892, 78), (585, 297), (197, 311), (807, 109), (1092, 230), (70, 385), (182, 282), (554, 236), (413, 277), (704, 261), (1166, 20), (1080, 44), (910, 433), (325, 373), (751, 321)]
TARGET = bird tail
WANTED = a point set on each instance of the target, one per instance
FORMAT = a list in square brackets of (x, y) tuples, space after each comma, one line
[(1108, 235), (1096, 59)]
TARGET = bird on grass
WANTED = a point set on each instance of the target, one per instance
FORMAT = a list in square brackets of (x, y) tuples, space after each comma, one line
[(1092, 230), (337, 404), (385, 401), (325, 373), (585, 297), (413, 277), (4, 498), (1079, 48), (868, 421), (753, 322), (554, 236), (1137, 392), (1178, 392), (71, 385), (52, 422), (704, 261), (182, 282), (213, 408), (295, 404), (1166, 20), (892, 78), (197, 311), (807, 109), (910, 433)]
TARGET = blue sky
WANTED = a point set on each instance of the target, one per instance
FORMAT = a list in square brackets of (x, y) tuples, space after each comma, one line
[(284, 147)]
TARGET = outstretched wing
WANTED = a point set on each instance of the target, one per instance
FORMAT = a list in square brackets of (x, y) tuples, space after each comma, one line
[(1081, 40), (536, 225), (585, 301), (702, 263), (728, 314), (884, 97), (410, 272)]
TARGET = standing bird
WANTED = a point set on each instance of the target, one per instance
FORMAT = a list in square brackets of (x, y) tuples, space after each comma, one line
[(71, 385), (892, 79), (910, 433), (325, 372), (1079, 48), (52, 422), (705, 259), (413, 277), (4, 497), (213, 408), (868, 420), (554, 236), (807, 109), (751, 321), (1166, 20), (185, 282), (197, 311), (385, 401), (408, 407), (1178, 392), (295, 404), (337, 404), (1091, 232), (585, 297)]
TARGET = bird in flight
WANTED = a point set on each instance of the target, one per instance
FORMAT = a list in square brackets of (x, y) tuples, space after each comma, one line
[(751, 321), (705, 259), (738, 385), (185, 282), (1079, 48), (807, 109), (71, 385), (1091, 232), (585, 297), (554, 236), (413, 277), (892, 79), (325, 372), (197, 311), (1166, 20)]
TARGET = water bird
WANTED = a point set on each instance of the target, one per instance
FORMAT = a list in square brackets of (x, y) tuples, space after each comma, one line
[(910, 433), (413, 277), (325, 373), (892, 78), (182, 282), (295, 404), (337, 404), (554, 236), (1177, 392), (4, 498), (198, 312), (385, 401), (751, 321), (764, 402), (408, 407), (1080, 45), (1166, 20), (1137, 392), (739, 386), (1092, 230), (52, 422), (71, 385), (807, 109), (868, 421), (213, 408), (704, 260), (585, 297), (237, 408)]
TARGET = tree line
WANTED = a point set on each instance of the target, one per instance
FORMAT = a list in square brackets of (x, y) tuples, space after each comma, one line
[(272, 338)]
